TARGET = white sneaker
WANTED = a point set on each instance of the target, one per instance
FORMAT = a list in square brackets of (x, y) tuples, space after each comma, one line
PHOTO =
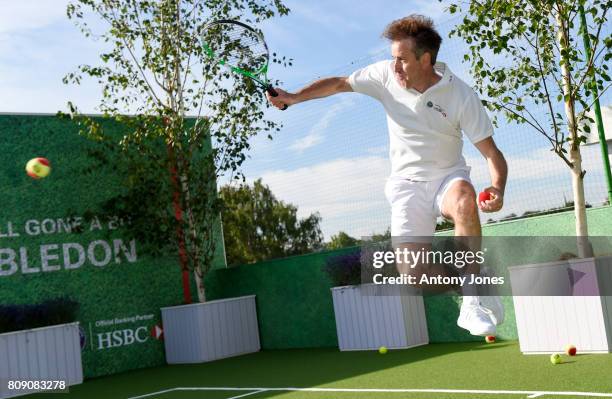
[(495, 306), (474, 318)]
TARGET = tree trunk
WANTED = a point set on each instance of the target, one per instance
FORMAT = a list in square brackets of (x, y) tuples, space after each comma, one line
[(195, 248), (197, 273), (179, 108), (584, 247)]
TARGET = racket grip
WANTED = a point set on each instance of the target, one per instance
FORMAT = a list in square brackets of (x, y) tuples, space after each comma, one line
[(271, 91), (274, 93)]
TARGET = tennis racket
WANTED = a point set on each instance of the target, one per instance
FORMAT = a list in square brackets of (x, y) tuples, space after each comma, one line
[(240, 48)]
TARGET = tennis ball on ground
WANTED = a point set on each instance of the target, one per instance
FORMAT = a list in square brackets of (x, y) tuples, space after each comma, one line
[(382, 350), (570, 350), (489, 339), (484, 196), (37, 168), (555, 358)]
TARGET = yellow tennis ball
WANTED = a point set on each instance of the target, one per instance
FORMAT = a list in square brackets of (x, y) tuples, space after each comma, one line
[(555, 358), (382, 350), (37, 168)]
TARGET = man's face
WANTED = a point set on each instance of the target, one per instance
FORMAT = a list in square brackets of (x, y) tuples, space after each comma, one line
[(407, 68)]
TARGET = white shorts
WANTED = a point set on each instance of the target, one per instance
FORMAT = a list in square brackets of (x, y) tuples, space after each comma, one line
[(416, 205)]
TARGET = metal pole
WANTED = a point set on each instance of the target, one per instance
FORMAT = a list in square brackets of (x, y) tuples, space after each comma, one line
[(598, 120)]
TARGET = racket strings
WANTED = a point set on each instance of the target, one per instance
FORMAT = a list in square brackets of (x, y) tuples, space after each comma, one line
[(238, 46)]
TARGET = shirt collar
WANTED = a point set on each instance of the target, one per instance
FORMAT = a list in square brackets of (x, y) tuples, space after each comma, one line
[(444, 71), (447, 77)]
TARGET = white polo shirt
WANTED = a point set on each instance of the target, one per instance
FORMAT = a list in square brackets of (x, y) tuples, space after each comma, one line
[(425, 129)]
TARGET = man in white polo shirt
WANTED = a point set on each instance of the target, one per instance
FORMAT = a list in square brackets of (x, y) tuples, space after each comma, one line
[(428, 109)]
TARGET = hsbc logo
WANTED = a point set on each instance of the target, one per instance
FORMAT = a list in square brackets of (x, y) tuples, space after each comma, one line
[(123, 331), (117, 338)]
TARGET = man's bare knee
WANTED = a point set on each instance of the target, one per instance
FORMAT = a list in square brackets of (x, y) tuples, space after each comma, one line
[(464, 209)]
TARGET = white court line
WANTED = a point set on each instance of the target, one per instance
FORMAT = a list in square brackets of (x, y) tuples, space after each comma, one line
[(153, 393), (532, 394), (248, 394)]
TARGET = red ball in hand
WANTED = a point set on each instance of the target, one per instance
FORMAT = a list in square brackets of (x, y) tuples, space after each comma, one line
[(484, 196)]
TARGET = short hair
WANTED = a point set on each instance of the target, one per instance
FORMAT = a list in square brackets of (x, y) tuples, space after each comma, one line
[(421, 29)]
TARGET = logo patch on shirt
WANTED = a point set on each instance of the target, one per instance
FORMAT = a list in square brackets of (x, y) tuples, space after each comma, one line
[(436, 107)]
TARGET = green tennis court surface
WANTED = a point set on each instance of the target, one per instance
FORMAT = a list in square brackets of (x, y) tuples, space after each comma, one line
[(464, 370)]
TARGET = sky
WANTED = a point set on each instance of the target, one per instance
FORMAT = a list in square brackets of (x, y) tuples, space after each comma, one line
[(331, 156)]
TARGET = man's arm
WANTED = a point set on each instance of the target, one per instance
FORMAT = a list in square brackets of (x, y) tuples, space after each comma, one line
[(498, 169), (317, 89)]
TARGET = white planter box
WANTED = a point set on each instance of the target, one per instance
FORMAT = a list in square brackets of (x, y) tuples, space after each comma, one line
[(46, 353), (547, 324), (202, 332), (369, 316)]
